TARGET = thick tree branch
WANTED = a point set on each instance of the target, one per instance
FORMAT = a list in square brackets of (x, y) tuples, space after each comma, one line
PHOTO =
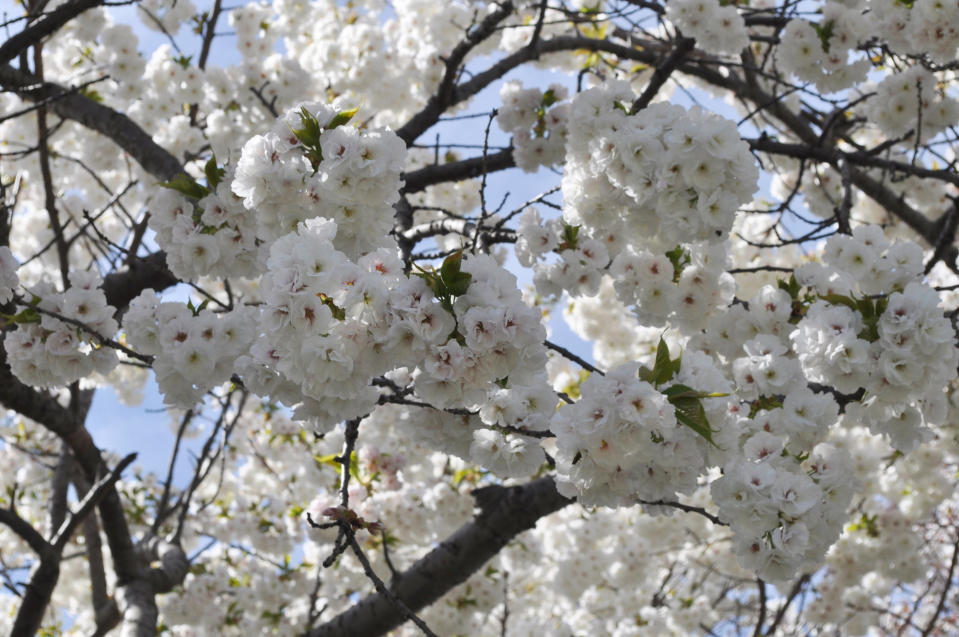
[(41, 29), (422, 178), (103, 119), (663, 70), (505, 512)]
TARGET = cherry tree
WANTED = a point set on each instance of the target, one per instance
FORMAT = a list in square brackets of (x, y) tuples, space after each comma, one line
[(293, 218)]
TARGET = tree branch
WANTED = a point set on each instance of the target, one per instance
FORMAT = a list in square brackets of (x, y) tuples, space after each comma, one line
[(505, 512), (445, 95), (422, 178), (121, 129), (39, 30)]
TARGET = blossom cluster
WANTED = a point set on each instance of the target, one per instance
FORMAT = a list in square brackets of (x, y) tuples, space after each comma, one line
[(518, 407), (314, 165), (717, 27), (661, 177), (323, 331), (820, 52), (784, 513), (899, 347), (923, 27), (213, 237), (911, 101), (46, 351), (686, 286), (537, 121), (193, 350), (622, 443), (582, 260), (498, 341)]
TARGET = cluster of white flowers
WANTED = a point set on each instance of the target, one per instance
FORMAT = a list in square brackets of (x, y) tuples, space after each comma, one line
[(120, 54), (507, 455), (254, 38), (923, 27), (866, 261), (910, 99), (526, 407), (324, 329), (194, 350), (45, 351), (899, 348), (8, 274), (661, 177), (582, 260), (717, 27), (819, 52), (768, 312), (686, 286), (537, 121), (215, 237), (785, 513), (314, 165), (621, 442), (500, 341)]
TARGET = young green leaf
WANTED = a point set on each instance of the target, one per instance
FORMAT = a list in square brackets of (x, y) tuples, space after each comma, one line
[(689, 410), (213, 174), (343, 117), (184, 184)]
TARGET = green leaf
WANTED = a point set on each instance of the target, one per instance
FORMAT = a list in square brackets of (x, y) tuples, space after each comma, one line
[(841, 299), (341, 118), (881, 305), (454, 279), (214, 175), (825, 31), (354, 465), (689, 410), (183, 60), (866, 523), (184, 184), (549, 98), (570, 238), (327, 460), (29, 315), (91, 94), (764, 402), (791, 287), (338, 313), (196, 309), (309, 131)]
